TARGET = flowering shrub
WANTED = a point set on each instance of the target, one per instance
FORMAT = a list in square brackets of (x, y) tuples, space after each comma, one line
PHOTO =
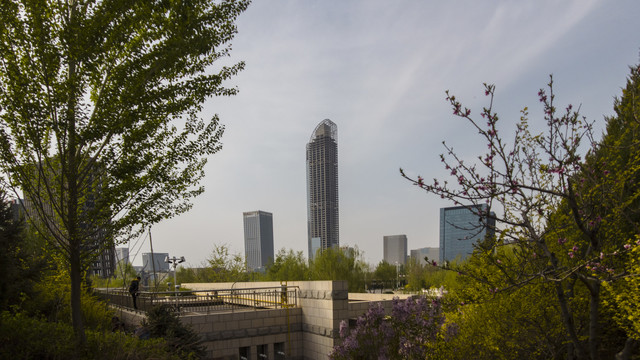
[(413, 325)]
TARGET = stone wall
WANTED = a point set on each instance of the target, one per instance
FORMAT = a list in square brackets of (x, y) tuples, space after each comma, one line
[(308, 331)]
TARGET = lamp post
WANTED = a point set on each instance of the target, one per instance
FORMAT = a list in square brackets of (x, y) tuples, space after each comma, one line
[(174, 261), (397, 276)]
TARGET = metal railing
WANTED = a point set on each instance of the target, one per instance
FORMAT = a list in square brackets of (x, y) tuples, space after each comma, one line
[(207, 301)]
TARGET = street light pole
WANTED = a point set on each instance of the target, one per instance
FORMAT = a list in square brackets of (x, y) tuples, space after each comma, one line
[(174, 261), (397, 276)]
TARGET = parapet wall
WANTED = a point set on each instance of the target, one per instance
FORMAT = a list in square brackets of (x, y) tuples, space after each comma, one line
[(309, 330), (314, 329)]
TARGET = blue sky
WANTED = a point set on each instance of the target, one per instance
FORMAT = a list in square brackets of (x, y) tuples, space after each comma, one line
[(379, 70)]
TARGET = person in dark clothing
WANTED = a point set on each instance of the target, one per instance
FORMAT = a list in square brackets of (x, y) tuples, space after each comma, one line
[(133, 290)]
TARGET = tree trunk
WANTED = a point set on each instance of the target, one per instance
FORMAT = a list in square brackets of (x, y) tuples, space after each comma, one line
[(76, 293), (627, 351), (567, 319), (70, 180), (594, 317)]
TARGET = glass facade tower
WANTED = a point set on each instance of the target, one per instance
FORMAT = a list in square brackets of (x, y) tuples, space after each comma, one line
[(322, 188), (258, 239), (460, 228)]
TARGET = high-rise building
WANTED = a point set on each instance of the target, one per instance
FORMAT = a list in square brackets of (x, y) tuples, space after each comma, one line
[(122, 255), (432, 253), (158, 264), (322, 188), (461, 227), (102, 263), (258, 239), (395, 249)]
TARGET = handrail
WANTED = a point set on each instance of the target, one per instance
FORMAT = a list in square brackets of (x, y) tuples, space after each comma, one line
[(208, 300)]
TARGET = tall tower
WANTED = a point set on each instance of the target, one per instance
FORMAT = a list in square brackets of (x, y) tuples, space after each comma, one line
[(461, 227), (322, 187), (258, 239), (395, 249)]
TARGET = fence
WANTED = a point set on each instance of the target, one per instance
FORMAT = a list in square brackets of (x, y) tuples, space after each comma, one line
[(207, 301)]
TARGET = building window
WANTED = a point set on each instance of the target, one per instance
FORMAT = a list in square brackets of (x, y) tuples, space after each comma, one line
[(278, 349), (262, 351), (245, 353)]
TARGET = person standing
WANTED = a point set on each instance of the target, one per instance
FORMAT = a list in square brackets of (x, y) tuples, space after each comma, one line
[(134, 290)]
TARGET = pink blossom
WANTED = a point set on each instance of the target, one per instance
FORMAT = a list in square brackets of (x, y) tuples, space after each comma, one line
[(571, 254), (627, 246)]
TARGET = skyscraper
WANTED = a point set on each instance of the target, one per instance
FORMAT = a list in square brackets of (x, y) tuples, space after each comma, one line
[(395, 249), (157, 264), (258, 239), (433, 254), (460, 228), (322, 187), (103, 260), (122, 255)]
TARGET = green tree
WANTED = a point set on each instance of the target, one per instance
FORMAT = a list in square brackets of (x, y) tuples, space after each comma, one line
[(122, 277), (163, 322), (222, 266), (288, 266), (100, 124), (415, 274), (561, 215), (23, 261), (386, 273), (519, 324), (338, 264)]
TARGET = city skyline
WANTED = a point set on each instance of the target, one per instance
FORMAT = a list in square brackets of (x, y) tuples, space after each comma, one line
[(380, 72)]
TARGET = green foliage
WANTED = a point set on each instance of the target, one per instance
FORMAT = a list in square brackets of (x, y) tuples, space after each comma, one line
[(162, 322), (623, 297), (387, 274), (51, 301), (415, 275), (122, 277), (288, 266), (100, 125), (21, 259), (220, 266), (24, 337), (563, 216), (337, 264), (523, 324), (225, 267)]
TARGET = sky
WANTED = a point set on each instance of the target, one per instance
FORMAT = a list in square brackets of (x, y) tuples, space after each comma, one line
[(379, 69)]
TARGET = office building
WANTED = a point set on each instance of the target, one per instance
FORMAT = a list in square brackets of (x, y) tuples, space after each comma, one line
[(158, 265), (460, 228), (395, 249), (122, 255), (432, 253), (102, 261), (258, 239), (322, 188)]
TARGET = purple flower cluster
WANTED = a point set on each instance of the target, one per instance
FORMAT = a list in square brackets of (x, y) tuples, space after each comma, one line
[(405, 334)]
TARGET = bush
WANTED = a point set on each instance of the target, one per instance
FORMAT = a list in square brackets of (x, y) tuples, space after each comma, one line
[(23, 337), (162, 322)]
